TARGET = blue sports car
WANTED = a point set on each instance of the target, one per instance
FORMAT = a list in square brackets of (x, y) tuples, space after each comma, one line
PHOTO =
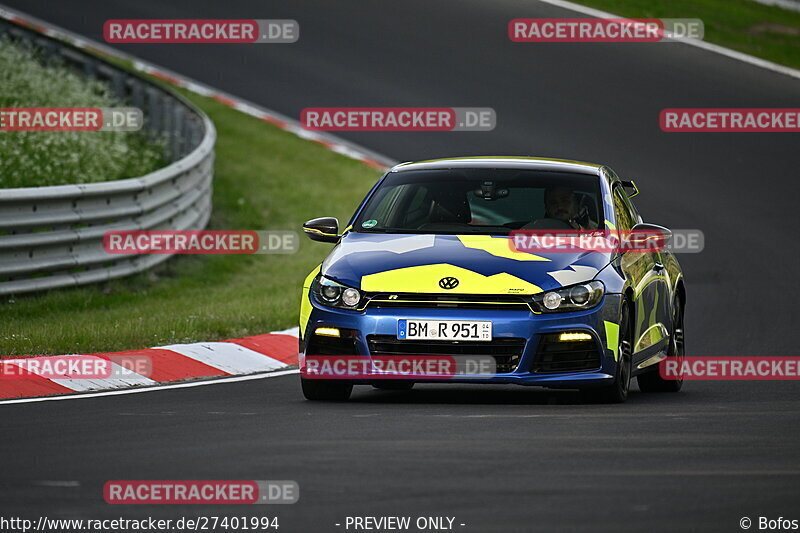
[(424, 268)]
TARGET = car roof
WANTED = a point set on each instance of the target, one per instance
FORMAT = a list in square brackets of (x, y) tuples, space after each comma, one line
[(532, 163)]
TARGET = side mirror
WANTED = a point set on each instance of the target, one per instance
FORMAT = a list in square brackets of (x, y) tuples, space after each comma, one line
[(630, 188), (325, 229), (650, 237)]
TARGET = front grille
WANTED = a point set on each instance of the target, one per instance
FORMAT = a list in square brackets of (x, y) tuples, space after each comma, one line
[(447, 301), (506, 351), (554, 355)]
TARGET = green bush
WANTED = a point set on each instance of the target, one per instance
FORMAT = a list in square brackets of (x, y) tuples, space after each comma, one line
[(31, 159)]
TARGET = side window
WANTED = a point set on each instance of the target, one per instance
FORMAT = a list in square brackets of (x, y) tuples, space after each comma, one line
[(633, 210), (625, 219)]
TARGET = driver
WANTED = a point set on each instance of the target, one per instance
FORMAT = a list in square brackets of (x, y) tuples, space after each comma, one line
[(561, 203)]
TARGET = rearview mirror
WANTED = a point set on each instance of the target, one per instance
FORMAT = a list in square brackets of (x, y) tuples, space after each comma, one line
[(325, 229)]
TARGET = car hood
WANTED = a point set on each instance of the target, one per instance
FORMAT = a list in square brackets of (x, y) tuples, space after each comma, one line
[(480, 264)]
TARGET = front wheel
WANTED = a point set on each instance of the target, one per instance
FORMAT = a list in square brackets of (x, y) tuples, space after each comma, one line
[(617, 392), (323, 390)]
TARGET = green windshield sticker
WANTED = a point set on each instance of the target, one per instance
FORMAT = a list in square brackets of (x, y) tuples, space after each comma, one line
[(369, 223)]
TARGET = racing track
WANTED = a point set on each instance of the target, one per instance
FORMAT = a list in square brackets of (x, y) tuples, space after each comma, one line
[(499, 459)]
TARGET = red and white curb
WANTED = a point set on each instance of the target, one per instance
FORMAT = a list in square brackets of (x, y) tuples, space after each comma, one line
[(175, 362)]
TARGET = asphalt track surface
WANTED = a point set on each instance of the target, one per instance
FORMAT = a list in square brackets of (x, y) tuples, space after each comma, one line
[(496, 458)]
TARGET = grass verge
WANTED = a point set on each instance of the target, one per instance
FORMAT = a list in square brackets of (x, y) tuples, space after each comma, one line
[(265, 179), (768, 32)]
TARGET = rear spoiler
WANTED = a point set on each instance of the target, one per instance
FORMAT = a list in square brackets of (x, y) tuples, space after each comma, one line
[(630, 187)]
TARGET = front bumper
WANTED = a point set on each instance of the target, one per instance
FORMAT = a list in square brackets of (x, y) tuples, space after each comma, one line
[(516, 324)]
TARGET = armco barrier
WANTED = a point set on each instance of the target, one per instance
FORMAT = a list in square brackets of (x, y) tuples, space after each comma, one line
[(53, 236)]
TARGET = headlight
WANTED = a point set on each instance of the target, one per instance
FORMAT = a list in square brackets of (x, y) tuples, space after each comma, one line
[(572, 298), (335, 294), (350, 297)]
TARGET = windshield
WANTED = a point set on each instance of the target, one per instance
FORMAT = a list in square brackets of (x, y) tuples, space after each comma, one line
[(482, 201)]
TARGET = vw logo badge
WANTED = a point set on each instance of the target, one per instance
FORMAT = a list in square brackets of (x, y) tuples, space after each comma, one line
[(448, 283)]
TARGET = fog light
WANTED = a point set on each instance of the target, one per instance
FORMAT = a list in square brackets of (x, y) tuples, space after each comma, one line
[(327, 332), (574, 336)]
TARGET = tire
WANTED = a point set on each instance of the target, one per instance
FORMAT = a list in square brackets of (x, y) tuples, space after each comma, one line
[(652, 381), (399, 385), (617, 392), (323, 390)]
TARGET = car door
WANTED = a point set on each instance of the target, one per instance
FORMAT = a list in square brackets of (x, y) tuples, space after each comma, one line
[(644, 271)]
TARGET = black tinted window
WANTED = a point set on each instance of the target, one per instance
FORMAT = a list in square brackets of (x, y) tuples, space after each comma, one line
[(492, 201)]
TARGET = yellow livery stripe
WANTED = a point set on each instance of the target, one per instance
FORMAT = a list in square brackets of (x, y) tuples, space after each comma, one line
[(612, 337), (425, 278), (497, 246), (305, 304)]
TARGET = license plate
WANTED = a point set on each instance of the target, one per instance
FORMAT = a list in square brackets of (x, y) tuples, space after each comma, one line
[(467, 330)]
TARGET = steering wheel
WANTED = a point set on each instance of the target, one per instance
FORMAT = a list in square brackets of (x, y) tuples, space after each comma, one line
[(550, 223)]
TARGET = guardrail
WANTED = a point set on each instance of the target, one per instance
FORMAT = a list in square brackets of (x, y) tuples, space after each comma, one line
[(53, 236)]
